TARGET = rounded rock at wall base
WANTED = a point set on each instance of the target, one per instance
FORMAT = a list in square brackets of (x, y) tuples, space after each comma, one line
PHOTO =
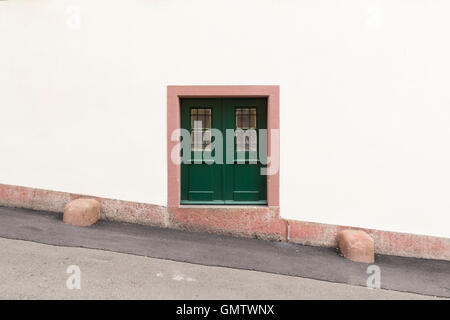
[(82, 212), (357, 245)]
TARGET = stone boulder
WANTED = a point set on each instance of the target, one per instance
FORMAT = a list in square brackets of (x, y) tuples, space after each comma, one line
[(357, 245), (82, 212)]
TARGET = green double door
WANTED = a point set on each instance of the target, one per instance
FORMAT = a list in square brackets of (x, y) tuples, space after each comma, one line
[(224, 166)]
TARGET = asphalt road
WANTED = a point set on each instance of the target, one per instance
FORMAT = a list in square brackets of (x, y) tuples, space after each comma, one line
[(36, 271), (427, 277)]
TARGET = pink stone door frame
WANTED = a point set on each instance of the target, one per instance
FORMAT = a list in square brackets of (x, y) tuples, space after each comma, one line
[(175, 93)]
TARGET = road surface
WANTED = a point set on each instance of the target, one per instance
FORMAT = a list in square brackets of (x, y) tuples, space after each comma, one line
[(31, 270)]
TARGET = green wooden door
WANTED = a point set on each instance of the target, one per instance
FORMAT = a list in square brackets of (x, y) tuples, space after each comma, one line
[(234, 177)]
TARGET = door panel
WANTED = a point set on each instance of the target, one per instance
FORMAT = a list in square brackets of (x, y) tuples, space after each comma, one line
[(239, 181), (200, 181), (247, 183)]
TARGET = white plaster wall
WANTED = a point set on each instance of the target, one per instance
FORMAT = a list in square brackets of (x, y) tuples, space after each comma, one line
[(365, 98)]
